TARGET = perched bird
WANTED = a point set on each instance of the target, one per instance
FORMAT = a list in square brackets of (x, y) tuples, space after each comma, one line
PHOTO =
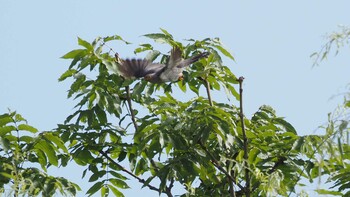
[(156, 72)]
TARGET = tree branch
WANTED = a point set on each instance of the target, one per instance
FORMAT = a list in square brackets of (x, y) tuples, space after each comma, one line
[(231, 187), (218, 166), (128, 98), (130, 173), (207, 87), (171, 185), (245, 139)]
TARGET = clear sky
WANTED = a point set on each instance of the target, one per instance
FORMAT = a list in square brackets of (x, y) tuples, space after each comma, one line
[(271, 41)]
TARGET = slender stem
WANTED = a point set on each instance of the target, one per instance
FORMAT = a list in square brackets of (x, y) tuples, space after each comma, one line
[(130, 173), (232, 189), (218, 166), (168, 189), (207, 87), (245, 139), (128, 98)]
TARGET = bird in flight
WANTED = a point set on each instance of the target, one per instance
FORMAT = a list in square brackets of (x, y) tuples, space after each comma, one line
[(157, 72)]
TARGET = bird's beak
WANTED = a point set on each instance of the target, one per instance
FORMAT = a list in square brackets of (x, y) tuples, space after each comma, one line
[(181, 78)]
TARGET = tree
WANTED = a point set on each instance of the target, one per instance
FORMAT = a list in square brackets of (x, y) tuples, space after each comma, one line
[(334, 149), (134, 129), (20, 151), (177, 141)]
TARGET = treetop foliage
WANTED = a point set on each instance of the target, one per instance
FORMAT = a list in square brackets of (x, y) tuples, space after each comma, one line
[(132, 129)]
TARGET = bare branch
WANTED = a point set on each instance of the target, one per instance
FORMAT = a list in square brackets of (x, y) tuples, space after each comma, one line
[(218, 166), (207, 87), (245, 139), (128, 98), (130, 173)]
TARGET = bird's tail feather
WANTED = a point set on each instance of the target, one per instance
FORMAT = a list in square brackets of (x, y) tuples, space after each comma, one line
[(196, 58)]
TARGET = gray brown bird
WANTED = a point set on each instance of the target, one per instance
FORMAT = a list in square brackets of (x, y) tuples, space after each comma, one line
[(156, 72)]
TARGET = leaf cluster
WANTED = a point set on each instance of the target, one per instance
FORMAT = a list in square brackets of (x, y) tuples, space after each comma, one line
[(188, 142), (21, 151)]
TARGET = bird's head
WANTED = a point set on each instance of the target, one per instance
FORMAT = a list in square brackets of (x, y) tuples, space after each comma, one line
[(148, 77)]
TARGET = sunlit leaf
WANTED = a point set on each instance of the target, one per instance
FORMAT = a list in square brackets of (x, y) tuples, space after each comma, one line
[(115, 191), (4, 119), (56, 140), (74, 53), (119, 183), (84, 43), (328, 192), (68, 73), (224, 51), (49, 151), (25, 127), (6, 129)]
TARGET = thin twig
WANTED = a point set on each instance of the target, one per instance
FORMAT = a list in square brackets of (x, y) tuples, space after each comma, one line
[(245, 140), (168, 189), (130, 173), (232, 189), (128, 98), (207, 87), (218, 166)]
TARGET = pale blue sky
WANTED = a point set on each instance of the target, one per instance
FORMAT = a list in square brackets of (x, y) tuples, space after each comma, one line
[(271, 41)]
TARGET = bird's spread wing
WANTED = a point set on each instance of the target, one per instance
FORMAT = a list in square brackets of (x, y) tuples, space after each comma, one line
[(137, 68), (175, 57), (172, 70), (154, 68)]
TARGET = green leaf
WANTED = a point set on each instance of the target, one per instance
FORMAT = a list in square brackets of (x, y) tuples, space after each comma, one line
[(105, 191), (166, 33), (85, 44), (200, 152), (152, 55), (97, 186), (224, 51), (6, 129), (41, 158), (157, 37), (122, 156), (95, 176), (328, 192), (5, 119), (26, 139), (25, 127), (253, 155), (115, 37), (18, 118), (83, 157), (115, 191), (5, 144), (101, 115), (343, 125), (119, 183), (74, 53), (141, 167), (286, 125), (48, 150), (56, 140), (117, 175), (76, 85), (347, 104), (182, 85), (143, 47), (68, 73)]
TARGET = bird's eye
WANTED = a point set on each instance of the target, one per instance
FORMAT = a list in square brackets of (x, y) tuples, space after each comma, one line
[(147, 77)]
